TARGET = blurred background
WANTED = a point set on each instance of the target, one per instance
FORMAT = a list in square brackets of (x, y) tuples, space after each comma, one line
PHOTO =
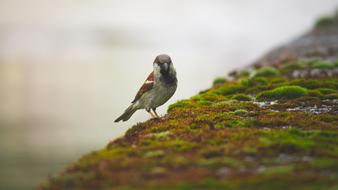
[(68, 68)]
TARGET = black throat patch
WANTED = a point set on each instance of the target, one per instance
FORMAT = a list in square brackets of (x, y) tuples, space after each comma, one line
[(168, 78)]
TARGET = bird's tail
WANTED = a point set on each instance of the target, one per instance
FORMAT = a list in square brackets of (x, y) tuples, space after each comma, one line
[(127, 114)]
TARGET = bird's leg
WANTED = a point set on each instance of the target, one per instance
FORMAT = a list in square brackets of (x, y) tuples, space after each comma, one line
[(154, 110), (149, 111)]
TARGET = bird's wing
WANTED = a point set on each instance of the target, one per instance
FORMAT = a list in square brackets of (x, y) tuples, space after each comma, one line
[(148, 85)]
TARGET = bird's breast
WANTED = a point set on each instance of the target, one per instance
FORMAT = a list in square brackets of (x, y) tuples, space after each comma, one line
[(162, 93)]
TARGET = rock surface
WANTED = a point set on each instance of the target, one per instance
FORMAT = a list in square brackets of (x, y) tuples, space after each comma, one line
[(270, 128)]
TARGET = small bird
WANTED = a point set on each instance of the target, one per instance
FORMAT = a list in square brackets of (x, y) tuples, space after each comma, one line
[(158, 88)]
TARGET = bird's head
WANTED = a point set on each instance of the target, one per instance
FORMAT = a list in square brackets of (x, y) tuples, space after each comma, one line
[(163, 63)]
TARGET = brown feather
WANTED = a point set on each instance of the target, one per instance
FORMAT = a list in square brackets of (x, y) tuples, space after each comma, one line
[(148, 85), (151, 77)]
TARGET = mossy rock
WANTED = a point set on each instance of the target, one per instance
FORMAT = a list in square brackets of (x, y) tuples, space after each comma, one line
[(323, 65), (219, 80), (241, 112), (241, 97), (255, 81), (239, 74), (333, 96), (292, 66), (325, 21), (221, 139), (282, 93), (315, 83), (327, 90), (230, 89), (266, 72), (181, 104)]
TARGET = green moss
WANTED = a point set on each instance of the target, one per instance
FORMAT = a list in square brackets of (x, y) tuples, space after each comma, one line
[(333, 96), (256, 81), (314, 83), (207, 97), (288, 141), (241, 112), (219, 80), (243, 74), (249, 150), (230, 89), (74, 179), (309, 84), (175, 144), (212, 152), (161, 135), (327, 90), (241, 97), (235, 123), (279, 81), (255, 85), (292, 66), (329, 164), (221, 139), (324, 93), (277, 170), (239, 74), (284, 92), (266, 72), (322, 65), (233, 73), (335, 63), (204, 102), (231, 162), (306, 65), (181, 104), (155, 153), (325, 21), (181, 145), (315, 93)]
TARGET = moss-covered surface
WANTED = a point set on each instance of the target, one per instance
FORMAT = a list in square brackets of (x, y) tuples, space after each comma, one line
[(266, 72), (270, 131), (325, 21), (282, 93)]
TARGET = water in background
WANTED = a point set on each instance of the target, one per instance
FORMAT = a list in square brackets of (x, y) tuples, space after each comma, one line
[(68, 69)]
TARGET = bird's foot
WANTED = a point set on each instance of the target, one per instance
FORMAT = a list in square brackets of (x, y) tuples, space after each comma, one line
[(154, 110), (154, 115)]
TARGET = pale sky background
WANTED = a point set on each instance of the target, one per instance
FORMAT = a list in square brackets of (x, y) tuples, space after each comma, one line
[(68, 68)]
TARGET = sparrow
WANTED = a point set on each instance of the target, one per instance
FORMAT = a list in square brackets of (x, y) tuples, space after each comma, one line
[(158, 88)]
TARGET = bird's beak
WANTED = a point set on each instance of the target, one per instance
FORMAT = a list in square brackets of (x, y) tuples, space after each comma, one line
[(165, 67)]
